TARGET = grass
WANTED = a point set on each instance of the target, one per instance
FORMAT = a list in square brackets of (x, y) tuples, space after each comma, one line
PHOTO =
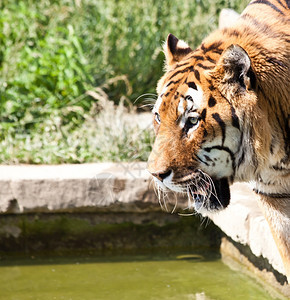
[(53, 52), (106, 134)]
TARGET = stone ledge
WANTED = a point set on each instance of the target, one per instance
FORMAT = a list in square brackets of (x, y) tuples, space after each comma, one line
[(69, 188), (123, 187)]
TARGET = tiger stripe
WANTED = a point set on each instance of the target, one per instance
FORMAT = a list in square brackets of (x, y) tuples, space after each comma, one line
[(269, 4)]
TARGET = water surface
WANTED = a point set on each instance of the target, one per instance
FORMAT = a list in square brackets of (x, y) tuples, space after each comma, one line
[(126, 278)]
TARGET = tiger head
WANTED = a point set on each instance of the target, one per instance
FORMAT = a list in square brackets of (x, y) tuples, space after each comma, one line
[(197, 121)]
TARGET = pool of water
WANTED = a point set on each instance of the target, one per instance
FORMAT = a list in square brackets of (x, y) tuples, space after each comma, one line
[(146, 277)]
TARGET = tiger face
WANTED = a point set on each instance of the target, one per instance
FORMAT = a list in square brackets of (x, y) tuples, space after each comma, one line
[(197, 148)]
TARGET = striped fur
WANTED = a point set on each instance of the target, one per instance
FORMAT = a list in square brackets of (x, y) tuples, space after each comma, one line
[(222, 115)]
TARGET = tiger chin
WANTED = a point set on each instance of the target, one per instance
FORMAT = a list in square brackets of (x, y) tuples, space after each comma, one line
[(222, 115)]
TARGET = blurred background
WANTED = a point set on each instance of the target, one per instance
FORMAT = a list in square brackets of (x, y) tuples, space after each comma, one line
[(73, 71)]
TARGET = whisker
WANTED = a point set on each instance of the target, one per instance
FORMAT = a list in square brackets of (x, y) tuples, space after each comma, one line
[(165, 195), (149, 101), (143, 95), (189, 198), (147, 105), (187, 214), (173, 210), (159, 196)]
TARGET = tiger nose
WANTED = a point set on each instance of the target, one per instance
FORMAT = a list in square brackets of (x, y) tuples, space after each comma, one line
[(162, 175)]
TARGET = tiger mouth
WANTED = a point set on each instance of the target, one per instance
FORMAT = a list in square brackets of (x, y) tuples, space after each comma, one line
[(211, 198), (208, 194)]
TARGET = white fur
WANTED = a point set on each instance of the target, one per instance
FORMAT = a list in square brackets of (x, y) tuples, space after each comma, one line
[(197, 96), (159, 101), (181, 107), (182, 44)]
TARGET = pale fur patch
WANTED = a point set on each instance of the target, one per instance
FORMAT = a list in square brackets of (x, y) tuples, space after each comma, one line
[(159, 101), (196, 96), (182, 44), (181, 107)]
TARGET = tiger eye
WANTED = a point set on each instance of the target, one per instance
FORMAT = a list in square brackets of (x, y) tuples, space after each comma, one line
[(193, 120)]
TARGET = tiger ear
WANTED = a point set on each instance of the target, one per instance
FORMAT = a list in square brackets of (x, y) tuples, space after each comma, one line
[(175, 50), (234, 67)]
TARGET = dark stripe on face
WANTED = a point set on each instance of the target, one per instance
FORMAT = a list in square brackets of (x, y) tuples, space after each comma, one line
[(213, 132), (180, 72), (203, 114), (205, 133), (211, 87), (197, 76), (211, 101), (266, 2), (207, 158), (222, 125), (210, 59), (213, 47), (205, 67), (198, 57), (188, 97), (218, 51), (204, 162), (235, 119), (192, 85), (222, 148), (173, 82)]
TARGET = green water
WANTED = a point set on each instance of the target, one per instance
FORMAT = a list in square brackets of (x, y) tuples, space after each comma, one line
[(126, 278)]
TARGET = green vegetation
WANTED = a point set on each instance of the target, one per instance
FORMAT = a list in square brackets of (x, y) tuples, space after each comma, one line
[(62, 60)]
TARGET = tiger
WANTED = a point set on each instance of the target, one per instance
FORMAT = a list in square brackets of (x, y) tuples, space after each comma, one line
[(222, 116)]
